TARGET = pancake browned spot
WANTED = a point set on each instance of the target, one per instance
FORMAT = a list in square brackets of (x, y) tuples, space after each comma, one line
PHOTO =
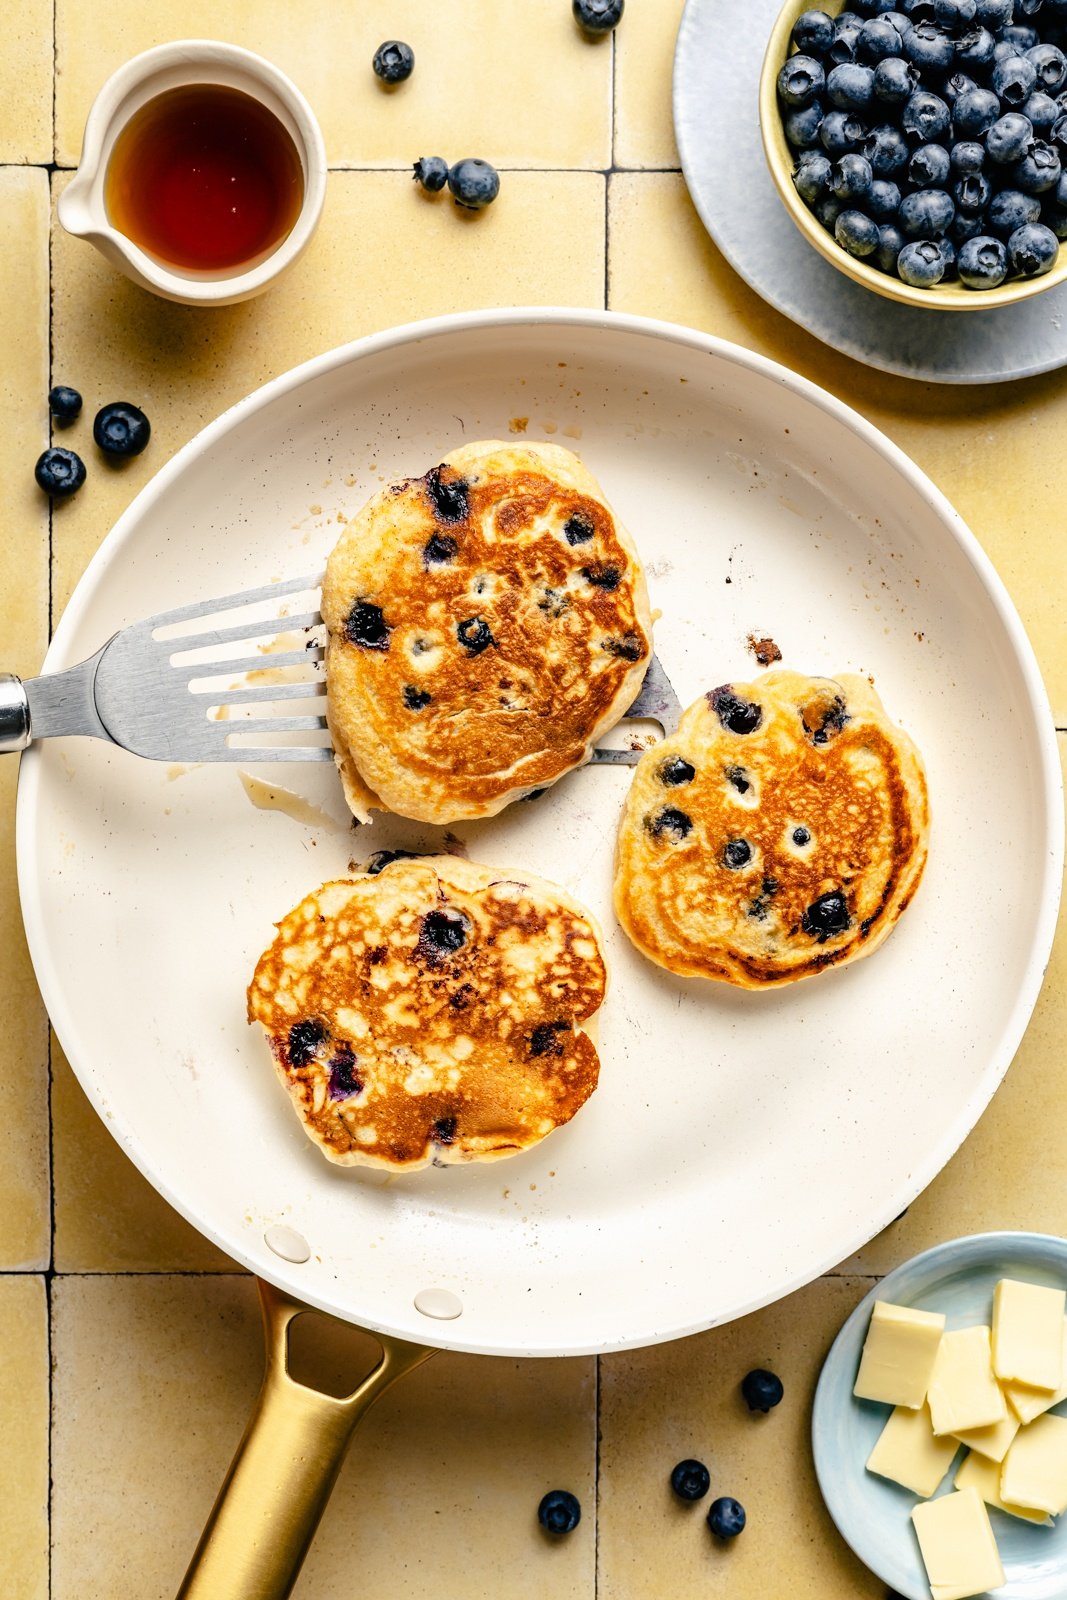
[(432, 1010), (486, 623), (783, 829)]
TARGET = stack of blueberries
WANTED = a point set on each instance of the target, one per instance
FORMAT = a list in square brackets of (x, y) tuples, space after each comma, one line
[(930, 139)]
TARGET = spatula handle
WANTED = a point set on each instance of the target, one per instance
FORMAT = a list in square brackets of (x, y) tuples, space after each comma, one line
[(14, 714)]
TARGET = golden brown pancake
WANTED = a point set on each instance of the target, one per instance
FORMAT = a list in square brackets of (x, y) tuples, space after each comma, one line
[(432, 1010), (782, 830), (486, 623)]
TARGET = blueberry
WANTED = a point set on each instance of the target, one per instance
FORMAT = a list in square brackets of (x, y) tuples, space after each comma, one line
[(919, 10), (737, 778), (416, 699), (850, 87), (444, 1131), (1038, 170), (121, 429), (670, 821), (971, 193), (59, 472), (676, 770), (474, 183), (948, 256), (1014, 80), (345, 1081), (304, 1041), (559, 1511), (545, 1039), (474, 635), (926, 214), (382, 858), (736, 715), (974, 113), (959, 83), (1054, 216), (1041, 111), (852, 177), (929, 166), (64, 403), (890, 243), (801, 836), (1010, 138), (841, 132), (432, 173), (925, 116), (1020, 36), (761, 1389), (955, 16), (900, 22), (921, 264), (827, 210), (1002, 50), (828, 915), (846, 35), (967, 157), (965, 227), (983, 263), (975, 50), (994, 13), (442, 933), (439, 550), (1009, 210), (812, 177), (366, 626), (393, 61), (800, 80), (1032, 249), (856, 233), (449, 497), (579, 529), (737, 853), (690, 1480), (876, 40), (628, 648), (802, 125), (895, 80), (1050, 64), (813, 33), (602, 576), (928, 48), (1061, 192), (598, 16), (726, 1519), (887, 150), (883, 200)]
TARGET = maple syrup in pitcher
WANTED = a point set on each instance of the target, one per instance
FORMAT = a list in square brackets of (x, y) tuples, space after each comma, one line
[(205, 178)]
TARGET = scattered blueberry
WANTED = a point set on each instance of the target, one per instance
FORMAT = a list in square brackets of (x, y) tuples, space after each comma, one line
[(828, 915), (121, 429), (800, 80), (474, 183), (726, 1519), (59, 472), (676, 770), (690, 1480), (393, 61), (598, 16), (366, 626), (559, 1511), (474, 635), (761, 1389), (737, 853), (1032, 249), (432, 173), (64, 403), (856, 233), (983, 263)]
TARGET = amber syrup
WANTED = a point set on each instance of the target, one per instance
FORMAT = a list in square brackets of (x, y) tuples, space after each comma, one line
[(205, 178)]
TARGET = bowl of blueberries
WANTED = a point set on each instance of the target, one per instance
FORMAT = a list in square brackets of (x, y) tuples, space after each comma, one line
[(921, 145)]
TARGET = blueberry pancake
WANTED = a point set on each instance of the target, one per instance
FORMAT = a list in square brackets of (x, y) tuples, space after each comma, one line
[(486, 623), (783, 829), (432, 1010)]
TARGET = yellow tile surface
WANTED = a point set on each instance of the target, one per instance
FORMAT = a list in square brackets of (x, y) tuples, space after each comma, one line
[(676, 1400), (108, 1218), (511, 81), (644, 55), (24, 1432), (384, 253), (154, 1378), (26, 82), (24, 632), (972, 440)]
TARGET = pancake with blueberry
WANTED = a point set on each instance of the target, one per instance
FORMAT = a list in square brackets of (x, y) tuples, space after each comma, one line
[(486, 623), (782, 830), (432, 1010)]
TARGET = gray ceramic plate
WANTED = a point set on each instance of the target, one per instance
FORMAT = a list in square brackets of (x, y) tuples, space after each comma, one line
[(716, 121)]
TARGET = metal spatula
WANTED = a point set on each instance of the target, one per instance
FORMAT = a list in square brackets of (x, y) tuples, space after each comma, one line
[(163, 688)]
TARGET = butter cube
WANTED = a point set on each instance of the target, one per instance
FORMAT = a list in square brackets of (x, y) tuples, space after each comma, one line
[(957, 1545), (1030, 1403), (1028, 1334), (978, 1472), (908, 1453), (898, 1356), (994, 1441), (963, 1392), (1034, 1473)]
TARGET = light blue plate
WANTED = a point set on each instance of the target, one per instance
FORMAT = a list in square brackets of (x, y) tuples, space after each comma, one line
[(873, 1515)]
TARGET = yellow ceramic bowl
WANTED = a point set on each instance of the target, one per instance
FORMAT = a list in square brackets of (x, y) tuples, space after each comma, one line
[(780, 160)]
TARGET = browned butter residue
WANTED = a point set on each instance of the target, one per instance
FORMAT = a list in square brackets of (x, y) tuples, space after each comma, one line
[(518, 424), (765, 650)]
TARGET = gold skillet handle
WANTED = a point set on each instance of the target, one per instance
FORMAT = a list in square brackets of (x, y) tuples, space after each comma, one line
[(279, 1482)]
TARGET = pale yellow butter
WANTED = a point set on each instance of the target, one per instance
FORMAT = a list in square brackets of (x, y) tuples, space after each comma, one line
[(963, 1391), (978, 1472), (1034, 1473), (993, 1441), (1028, 1334), (1030, 1403), (957, 1545), (908, 1452), (898, 1355)]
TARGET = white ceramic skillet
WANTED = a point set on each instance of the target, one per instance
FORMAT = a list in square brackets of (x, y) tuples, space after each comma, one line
[(739, 1143)]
